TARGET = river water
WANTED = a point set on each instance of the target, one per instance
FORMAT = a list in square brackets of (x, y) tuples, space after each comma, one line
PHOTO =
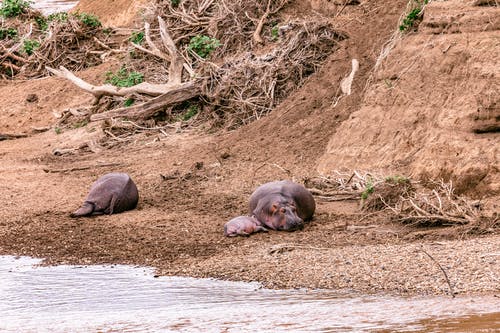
[(52, 6), (122, 298)]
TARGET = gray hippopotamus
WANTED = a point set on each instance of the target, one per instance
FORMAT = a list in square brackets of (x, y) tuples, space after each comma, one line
[(111, 193), (243, 226), (279, 205)]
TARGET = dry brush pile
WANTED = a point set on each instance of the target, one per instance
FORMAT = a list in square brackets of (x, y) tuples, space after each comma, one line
[(29, 41), (407, 201), (218, 62)]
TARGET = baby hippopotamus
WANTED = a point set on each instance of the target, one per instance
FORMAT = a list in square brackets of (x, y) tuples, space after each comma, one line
[(112, 193), (242, 226), (280, 205)]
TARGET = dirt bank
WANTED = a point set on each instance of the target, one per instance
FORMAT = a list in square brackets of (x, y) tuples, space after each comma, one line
[(191, 183)]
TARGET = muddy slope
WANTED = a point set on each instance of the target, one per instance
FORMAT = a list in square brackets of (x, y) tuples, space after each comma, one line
[(431, 108)]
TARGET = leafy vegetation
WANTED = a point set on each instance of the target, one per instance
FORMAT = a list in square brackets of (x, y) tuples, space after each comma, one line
[(8, 33), (124, 78), (89, 20), (13, 8), (368, 190), (128, 102), (59, 17), (203, 45), (413, 16), (82, 123), (397, 179), (275, 32), (29, 46), (175, 3), (190, 112), (137, 37)]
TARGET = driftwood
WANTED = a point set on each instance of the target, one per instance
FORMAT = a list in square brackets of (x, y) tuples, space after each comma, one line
[(149, 108), (11, 136)]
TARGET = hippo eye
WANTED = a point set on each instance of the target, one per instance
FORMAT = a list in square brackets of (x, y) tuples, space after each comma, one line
[(274, 207)]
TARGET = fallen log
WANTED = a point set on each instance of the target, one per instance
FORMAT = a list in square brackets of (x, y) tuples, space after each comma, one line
[(145, 110)]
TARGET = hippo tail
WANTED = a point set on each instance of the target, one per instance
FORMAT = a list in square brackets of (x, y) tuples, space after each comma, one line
[(85, 210)]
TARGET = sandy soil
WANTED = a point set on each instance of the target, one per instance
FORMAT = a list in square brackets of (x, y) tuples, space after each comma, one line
[(191, 183)]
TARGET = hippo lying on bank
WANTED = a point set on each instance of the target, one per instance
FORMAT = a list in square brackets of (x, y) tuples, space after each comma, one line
[(243, 226), (112, 193), (279, 205)]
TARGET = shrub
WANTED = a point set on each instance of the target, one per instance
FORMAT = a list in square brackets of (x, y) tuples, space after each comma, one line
[(8, 33), (203, 45), (368, 190), (124, 78), (190, 113), (275, 32), (89, 20), (413, 16), (12, 8), (30, 45), (59, 17), (137, 37)]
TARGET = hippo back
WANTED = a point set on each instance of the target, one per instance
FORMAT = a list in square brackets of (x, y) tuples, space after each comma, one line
[(302, 198), (114, 185)]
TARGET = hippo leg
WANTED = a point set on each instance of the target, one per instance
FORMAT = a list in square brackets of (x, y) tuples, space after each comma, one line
[(86, 210), (260, 228), (112, 205)]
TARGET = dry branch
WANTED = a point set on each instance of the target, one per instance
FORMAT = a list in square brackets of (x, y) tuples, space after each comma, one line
[(452, 293), (260, 25), (184, 92), (110, 90)]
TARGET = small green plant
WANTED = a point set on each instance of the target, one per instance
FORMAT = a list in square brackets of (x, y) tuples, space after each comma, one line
[(58, 17), (82, 123), (8, 33), (58, 130), (29, 46), (128, 102), (275, 32), (413, 16), (368, 190), (190, 113), (42, 23), (124, 78), (89, 20), (397, 179), (13, 8), (137, 37), (175, 3), (203, 45)]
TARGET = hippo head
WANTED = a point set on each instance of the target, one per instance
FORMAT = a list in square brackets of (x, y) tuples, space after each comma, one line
[(278, 213)]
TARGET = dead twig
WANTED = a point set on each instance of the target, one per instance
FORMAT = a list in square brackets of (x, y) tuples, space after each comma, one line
[(81, 168), (452, 293), (12, 136)]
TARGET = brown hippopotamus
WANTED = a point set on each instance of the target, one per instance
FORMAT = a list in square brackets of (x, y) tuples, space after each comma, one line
[(112, 193), (279, 205), (243, 226)]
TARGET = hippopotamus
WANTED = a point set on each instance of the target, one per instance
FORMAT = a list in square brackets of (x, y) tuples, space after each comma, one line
[(243, 226), (279, 205), (112, 193)]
